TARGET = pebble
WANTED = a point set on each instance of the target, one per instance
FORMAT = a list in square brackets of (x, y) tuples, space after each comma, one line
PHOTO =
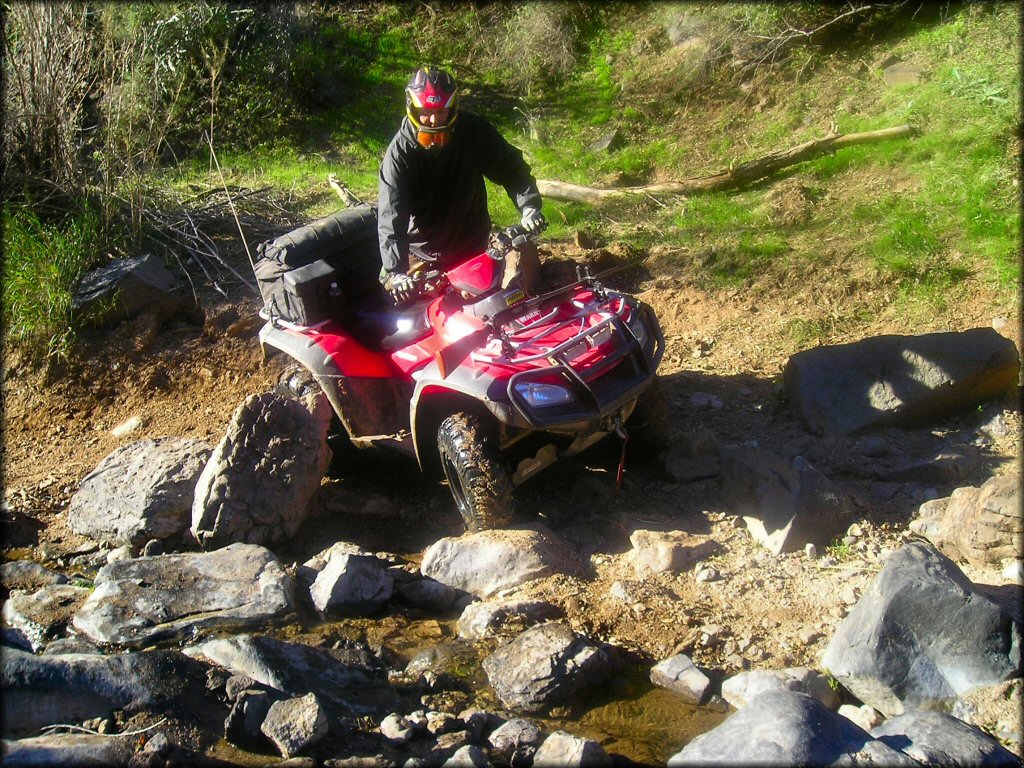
[(810, 551), (708, 573)]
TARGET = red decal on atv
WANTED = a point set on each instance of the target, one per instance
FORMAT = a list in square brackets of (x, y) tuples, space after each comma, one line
[(475, 276), (352, 358)]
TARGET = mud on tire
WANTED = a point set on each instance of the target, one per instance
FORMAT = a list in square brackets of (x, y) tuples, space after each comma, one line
[(296, 382), (476, 474)]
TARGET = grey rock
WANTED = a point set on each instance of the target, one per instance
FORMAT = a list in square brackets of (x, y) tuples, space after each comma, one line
[(141, 601), (427, 594), (140, 492), (872, 446), (921, 635), (945, 467), (607, 142), (352, 585), (263, 473), (865, 716), (75, 644), (129, 287), (984, 526), (295, 724), (44, 690), (396, 729), (28, 576), (486, 562), (786, 505), (568, 751), (788, 728), (469, 756), (679, 674), (306, 573), (68, 749), (741, 688), (544, 666), (15, 638), (935, 738), (659, 551), (44, 614), (898, 380), (243, 725), (901, 74), (488, 618), (516, 740), (353, 680)]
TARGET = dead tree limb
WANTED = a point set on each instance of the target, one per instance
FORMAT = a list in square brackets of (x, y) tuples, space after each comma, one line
[(733, 177)]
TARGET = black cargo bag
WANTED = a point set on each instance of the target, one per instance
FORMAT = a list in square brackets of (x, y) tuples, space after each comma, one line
[(336, 263)]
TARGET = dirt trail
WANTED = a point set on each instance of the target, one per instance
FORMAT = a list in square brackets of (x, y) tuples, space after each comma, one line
[(756, 610)]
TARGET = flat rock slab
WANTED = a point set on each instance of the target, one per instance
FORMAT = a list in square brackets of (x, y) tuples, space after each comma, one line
[(140, 492), (71, 749), (935, 738), (788, 728), (44, 614), (741, 688), (898, 380), (544, 666), (44, 690), (353, 680), (921, 636), (487, 562), (172, 597)]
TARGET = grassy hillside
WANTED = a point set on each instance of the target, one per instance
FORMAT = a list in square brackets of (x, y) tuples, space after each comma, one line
[(691, 89)]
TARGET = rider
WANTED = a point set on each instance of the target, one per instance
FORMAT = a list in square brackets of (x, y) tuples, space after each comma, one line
[(432, 198)]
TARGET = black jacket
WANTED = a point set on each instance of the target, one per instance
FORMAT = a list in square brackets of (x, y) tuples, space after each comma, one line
[(436, 199)]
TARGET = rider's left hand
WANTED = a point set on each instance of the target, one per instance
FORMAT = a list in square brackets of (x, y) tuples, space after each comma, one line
[(401, 286), (533, 220)]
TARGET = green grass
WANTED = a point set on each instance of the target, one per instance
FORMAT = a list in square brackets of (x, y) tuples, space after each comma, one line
[(42, 264)]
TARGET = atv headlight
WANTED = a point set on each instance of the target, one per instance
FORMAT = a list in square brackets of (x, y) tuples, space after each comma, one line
[(539, 395), (637, 326)]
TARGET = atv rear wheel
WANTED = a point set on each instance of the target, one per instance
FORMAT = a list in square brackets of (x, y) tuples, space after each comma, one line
[(477, 477)]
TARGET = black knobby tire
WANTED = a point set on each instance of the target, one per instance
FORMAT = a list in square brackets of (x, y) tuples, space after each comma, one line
[(649, 425), (296, 382), (478, 478)]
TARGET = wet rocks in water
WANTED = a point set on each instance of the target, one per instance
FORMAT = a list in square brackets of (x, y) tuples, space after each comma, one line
[(545, 666), (564, 749), (788, 728), (244, 722), (515, 741), (922, 635), (898, 380), (260, 478), (486, 562), (680, 675), (44, 614), (484, 619), (28, 576), (785, 504), (140, 492), (741, 688), (140, 601), (352, 585)]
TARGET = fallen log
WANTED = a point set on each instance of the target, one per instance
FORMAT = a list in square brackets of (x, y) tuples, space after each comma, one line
[(733, 177)]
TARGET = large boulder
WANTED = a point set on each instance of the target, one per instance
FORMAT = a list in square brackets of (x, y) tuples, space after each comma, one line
[(487, 562), (129, 287), (935, 738), (786, 505), (68, 749), (898, 380), (353, 680), (922, 635), (984, 526), (140, 492), (544, 666), (140, 601), (788, 728), (44, 690), (263, 473)]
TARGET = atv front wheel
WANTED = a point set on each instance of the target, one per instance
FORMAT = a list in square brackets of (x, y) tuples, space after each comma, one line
[(296, 382), (478, 478)]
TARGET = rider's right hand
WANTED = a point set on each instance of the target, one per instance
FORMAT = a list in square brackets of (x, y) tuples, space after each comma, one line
[(401, 286)]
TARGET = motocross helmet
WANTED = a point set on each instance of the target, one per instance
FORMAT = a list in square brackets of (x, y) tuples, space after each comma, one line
[(432, 105)]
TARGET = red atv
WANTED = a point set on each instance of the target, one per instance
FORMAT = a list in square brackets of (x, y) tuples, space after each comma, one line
[(481, 383)]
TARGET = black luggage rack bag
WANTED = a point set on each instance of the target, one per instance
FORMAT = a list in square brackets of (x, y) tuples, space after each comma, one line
[(324, 270)]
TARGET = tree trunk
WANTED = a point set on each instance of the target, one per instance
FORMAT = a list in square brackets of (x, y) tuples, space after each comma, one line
[(731, 178)]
